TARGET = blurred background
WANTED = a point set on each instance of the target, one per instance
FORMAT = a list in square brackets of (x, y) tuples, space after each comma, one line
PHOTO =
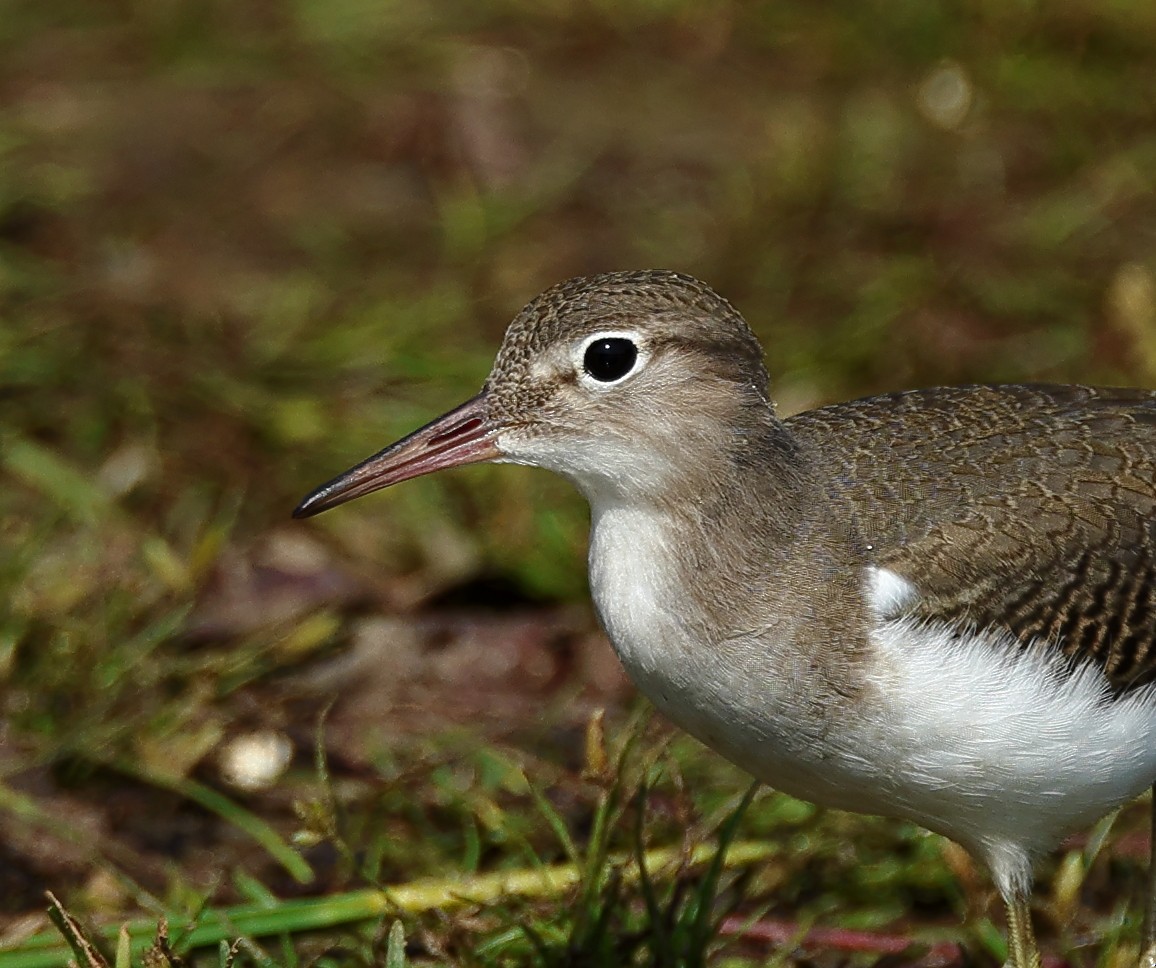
[(245, 244)]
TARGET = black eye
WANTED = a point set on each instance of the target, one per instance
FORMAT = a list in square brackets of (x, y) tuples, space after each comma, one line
[(610, 359)]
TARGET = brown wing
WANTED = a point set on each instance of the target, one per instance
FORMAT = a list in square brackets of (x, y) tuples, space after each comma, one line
[(1026, 508)]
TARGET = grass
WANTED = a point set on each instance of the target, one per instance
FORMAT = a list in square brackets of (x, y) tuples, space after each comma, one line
[(243, 245)]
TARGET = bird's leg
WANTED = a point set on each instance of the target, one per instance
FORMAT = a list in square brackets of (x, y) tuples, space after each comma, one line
[(1021, 939), (1148, 944)]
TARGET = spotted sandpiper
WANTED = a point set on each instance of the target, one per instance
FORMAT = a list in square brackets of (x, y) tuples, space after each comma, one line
[(938, 604)]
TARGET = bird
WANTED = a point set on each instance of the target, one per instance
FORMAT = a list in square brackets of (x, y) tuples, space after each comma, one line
[(935, 604)]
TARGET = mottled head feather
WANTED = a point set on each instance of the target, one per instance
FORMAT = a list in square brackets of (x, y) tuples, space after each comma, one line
[(674, 308)]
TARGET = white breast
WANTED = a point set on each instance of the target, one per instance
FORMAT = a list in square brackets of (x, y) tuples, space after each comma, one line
[(634, 589)]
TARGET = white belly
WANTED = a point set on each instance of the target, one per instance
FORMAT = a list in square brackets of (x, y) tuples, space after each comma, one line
[(1000, 748)]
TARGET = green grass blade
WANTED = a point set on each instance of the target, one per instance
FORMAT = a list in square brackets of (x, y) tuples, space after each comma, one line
[(68, 487), (701, 926), (395, 947), (48, 949), (123, 948), (554, 819), (228, 810), (658, 932)]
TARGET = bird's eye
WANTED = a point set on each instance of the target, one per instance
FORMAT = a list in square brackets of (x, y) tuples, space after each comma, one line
[(610, 358)]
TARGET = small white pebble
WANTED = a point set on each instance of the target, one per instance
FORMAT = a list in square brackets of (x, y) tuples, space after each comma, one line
[(126, 468), (945, 95), (254, 761)]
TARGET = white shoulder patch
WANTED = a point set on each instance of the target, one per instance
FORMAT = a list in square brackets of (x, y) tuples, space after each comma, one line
[(888, 593)]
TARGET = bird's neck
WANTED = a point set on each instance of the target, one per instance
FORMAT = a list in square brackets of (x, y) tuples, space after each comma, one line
[(745, 537)]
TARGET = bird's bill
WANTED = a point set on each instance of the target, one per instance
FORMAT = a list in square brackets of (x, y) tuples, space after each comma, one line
[(462, 436)]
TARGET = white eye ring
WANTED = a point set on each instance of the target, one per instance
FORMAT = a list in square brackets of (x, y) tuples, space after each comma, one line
[(599, 357)]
